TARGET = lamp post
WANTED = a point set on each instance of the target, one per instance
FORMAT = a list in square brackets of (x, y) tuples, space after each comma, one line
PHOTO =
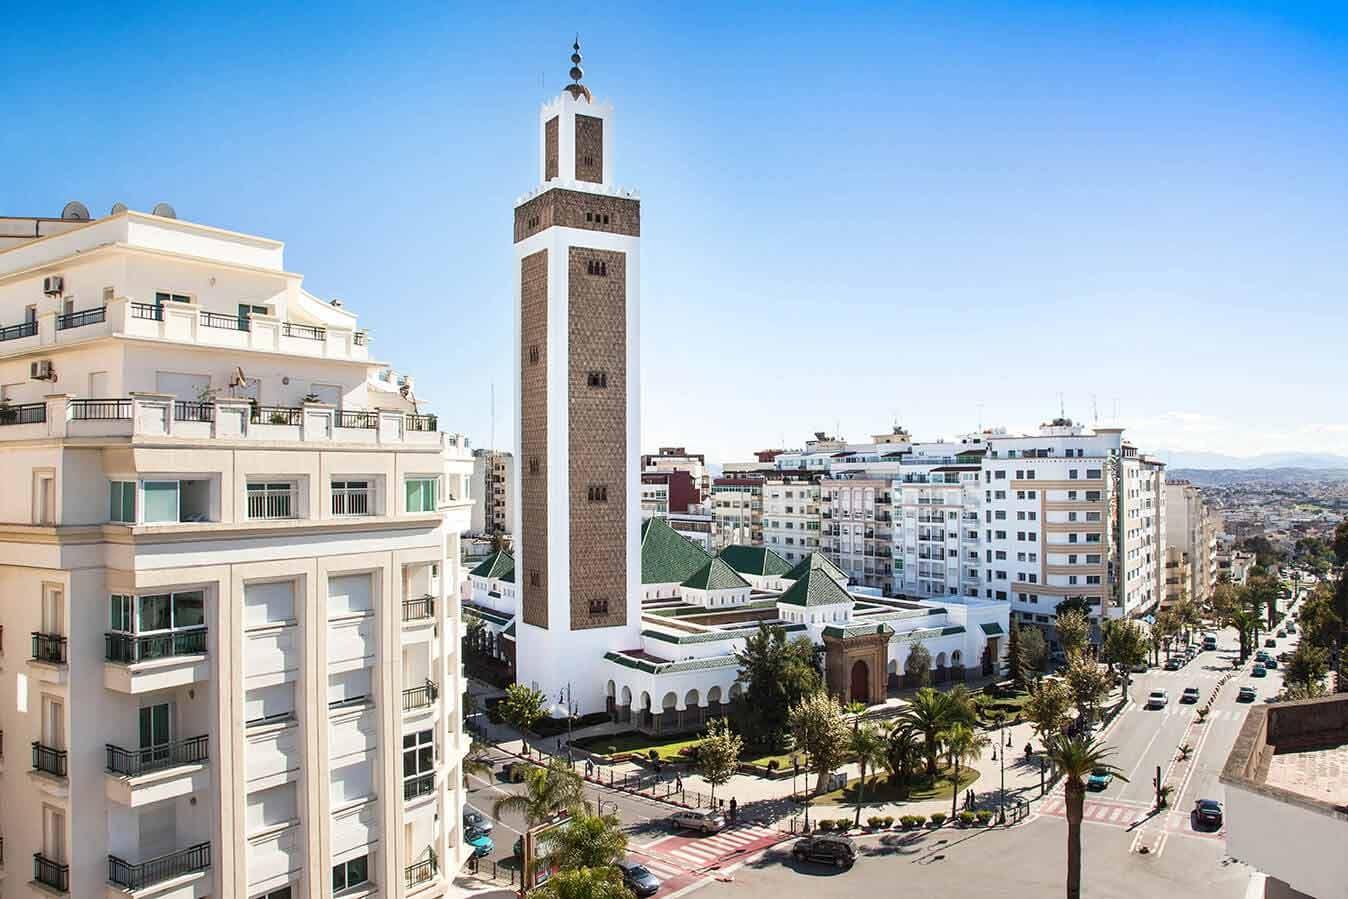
[(1002, 805), (567, 709)]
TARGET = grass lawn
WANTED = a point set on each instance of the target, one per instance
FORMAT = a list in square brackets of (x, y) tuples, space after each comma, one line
[(879, 789), (639, 743)]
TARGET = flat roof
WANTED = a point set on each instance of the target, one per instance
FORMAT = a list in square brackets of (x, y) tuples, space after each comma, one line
[(1295, 752)]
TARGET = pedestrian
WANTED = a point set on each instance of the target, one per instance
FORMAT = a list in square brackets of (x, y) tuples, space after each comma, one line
[(1029, 750), (734, 807), (678, 781)]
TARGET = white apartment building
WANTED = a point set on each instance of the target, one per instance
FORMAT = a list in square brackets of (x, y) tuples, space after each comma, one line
[(792, 517), (859, 528), (938, 531), (493, 477), (229, 542), (736, 507), (1192, 527)]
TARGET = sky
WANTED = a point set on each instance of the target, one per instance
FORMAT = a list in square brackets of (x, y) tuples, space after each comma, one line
[(937, 214)]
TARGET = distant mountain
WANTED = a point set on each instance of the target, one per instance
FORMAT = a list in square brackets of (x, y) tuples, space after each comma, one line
[(1182, 459), (1225, 477)]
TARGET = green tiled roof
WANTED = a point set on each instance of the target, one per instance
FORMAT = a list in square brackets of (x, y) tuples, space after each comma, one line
[(816, 588), (509, 633), (756, 560), (668, 557), (992, 629), (650, 667), (716, 635), (486, 614), (930, 633), (857, 630), (497, 565), (716, 575), (817, 562)]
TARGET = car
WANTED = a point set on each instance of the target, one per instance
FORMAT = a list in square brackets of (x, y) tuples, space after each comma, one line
[(698, 819), (1258, 670), (1173, 664), (475, 820), (1209, 644), (830, 848), (1291, 628), (638, 878), (1282, 634), (1270, 663), (481, 843), (1270, 643), (1246, 694), (1190, 695), (1260, 656), (1158, 699), (1139, 668), (1284, 656), (1099, 779), (1208, 813)]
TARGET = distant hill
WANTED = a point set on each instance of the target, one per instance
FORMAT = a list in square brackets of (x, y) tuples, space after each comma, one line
[(1212, 461), (1222, 477)]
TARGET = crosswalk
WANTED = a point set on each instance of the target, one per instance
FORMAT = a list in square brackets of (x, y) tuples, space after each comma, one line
[(679, 854), (1117, 814)]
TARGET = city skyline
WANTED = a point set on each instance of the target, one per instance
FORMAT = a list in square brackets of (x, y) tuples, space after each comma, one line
[(1102, 206)]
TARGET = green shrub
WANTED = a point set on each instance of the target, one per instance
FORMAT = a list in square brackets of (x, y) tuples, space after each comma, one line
[(826, 824), (773, 764), (913, 820), (966, 818), (842, 824), (938, 819), (983, 816), (875, 821), (888, 820)]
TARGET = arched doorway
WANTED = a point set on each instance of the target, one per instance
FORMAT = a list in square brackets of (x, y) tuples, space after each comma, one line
[(861, 682)]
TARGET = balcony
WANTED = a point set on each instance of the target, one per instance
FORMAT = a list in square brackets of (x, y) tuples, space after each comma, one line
[(418, 786), (157, 870), (419, 697), (135, 762), (48, 760), (131, 649), (49, 648), (19, 331), (139, 663), (352, 501), (139, 777), (81, 319), (420, 608), (51, 874), (421, 872), (23, 414), (270, 503)]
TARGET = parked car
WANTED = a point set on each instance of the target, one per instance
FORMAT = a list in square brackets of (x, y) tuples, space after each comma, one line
[(830, 848), (698, 819), (1190, 695), (1282, 634), (481, 843), (1208, 813), (1139, 668), (1173, 664), (1099, 779), (638, 878), (1246, 694), (1258, 670), (475, 820), (1209, 643), (1270, 663), (1291, 628), (1270, 643), (1158, 699)]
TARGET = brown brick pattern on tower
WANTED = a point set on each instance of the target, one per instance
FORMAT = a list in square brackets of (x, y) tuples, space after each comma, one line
[(570, 208), (551, 154), (597, 337), (531, 578), (589, 149)]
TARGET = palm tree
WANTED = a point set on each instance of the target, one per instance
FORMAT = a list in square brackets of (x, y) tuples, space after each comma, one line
[(586, 841), (547, 792), (584, 883), (868, 746), (962, 744), (1245, 622), (476, 761), (929, 713), (1076, 758), (856, 708), (901, 753)]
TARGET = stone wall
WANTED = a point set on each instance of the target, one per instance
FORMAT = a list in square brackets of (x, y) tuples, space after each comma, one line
[(531, 574), (589, 149), (577, 209)]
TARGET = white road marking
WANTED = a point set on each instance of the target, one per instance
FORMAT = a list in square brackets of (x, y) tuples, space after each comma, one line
[(1255, 888)]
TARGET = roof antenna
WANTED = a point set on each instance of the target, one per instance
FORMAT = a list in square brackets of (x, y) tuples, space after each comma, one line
[(1062, 408), (1095, 410)]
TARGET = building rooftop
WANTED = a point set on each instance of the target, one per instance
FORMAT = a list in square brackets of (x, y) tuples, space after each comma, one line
[(757, 560), (1295, 752)]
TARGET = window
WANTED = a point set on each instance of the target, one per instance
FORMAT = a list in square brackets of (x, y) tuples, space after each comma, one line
[(418, 754), (597, 379), (120, 613), (1092, 496), (598, 607), (533, 465), (1073, 474), (999, 475), (533, 577), (351, 873), (597, 267), (421, 494), (1093, 474), (533, 354), (1093, 579), (349, 688), (275, 499), (598, 493), (352, 498), (282, 893), (170, 611), (162, 298), (122, 501)]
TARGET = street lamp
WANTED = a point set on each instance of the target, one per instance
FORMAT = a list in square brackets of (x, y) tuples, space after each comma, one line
[(564, 696), (1002, 806)]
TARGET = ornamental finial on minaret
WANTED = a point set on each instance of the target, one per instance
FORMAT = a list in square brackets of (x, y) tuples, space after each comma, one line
[(575, 88)]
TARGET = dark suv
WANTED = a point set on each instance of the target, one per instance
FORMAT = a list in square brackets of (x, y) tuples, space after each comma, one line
[(830, 848)]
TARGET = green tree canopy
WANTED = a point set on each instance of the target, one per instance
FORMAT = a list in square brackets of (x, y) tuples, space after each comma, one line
[(1033, 650), (918, 663), (820, 732), (869, 748), (586, 841), (1049, 708), (1074, 629), (522, 707), (776, 673), (718, 754), (928, 714), (1074, 604), (1076, 758), (584, 883)]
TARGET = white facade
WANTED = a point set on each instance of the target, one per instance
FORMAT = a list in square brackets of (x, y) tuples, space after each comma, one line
[(792, 518), (1192, 527), (493, 486), (234, 543)]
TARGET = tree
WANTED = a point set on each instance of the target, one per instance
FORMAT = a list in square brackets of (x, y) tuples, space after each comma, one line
[(868, 746), (718, 754), (1266, 555), (522, 707), (1016, 670), (1074, 629), (476, 762), (1246, 624), (1261, 594), (1306, 671), (1076, 758), (918, 664), (1340, 543), (1089, 684), (1165, 629), (1048, 708), (585, 841), (584, 883), (820, 732), (963, 745), (1076, 604), (548, 791), (1321, 623), (776, 673), (1124, 645), (1033, 650), (928, 714), (902, 753)]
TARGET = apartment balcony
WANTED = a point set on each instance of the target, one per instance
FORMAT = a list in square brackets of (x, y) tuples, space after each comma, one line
[(419, 785), (140, 663), (133, 877), (138, 777), (49, 761), (422, 872), (418, 609), (161, 415), (48, 659), (50, 874), (421, 697)]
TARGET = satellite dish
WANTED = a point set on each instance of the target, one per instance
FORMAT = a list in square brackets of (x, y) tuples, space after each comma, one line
[(118, 209), (163, 210), (75, 211)]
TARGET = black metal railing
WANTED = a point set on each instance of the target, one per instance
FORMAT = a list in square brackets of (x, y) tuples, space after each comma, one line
[(419, 697), (100, 410), (306, 332), (134, 877), (423, 871), (134, 762), (128, 649), (184, 410), (50, 874), (421, 423), (15, 332), (148, 311), (277, 415), (361, 338), (419, 607), (48, 760), (224, 322), (23, 414), (347, 419), (418, 785), (79, 319), (49, 647)]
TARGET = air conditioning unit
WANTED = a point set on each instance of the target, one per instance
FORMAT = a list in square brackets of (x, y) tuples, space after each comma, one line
[(41, 370), (52, 285)]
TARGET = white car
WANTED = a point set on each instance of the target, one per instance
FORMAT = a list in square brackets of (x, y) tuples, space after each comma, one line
[(1158, 699), (697, 819)]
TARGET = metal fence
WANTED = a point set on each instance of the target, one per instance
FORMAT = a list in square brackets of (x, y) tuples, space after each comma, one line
[(134, 762), (50, 873), (156, 870), (351, 500), (100, 410), (80, 319), (131, 648), (307, 332), (49, 760), (14, 332), (49, 648), (189, 411), (271, 502), (23, 414), (357, 419), (418, 608), (418, 697)]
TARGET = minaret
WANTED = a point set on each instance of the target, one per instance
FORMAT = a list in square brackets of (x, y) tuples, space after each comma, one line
[(577, 525)]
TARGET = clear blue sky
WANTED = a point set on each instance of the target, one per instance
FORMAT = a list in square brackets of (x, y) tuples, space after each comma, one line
[(849, 214)]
